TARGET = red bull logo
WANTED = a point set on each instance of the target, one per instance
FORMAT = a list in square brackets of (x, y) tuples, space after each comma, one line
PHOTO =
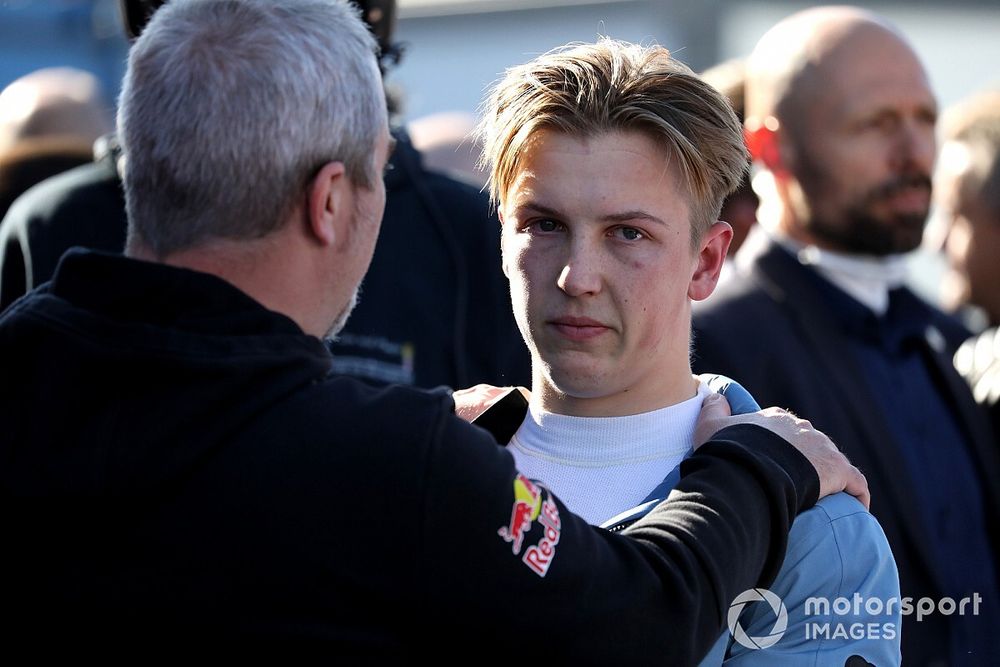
[(528, 508), (539, 556)]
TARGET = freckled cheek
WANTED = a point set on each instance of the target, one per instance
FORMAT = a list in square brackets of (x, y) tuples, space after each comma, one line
[(648, 324), (651, 303)]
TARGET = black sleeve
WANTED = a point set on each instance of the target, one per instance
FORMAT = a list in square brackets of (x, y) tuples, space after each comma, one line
[(504, 564)]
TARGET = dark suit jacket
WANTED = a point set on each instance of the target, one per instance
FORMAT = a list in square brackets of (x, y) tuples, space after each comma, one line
[(768, 328)]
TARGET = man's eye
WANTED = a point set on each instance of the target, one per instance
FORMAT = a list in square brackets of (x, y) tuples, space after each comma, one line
[(546, 225), (629, 233), (882, 123)]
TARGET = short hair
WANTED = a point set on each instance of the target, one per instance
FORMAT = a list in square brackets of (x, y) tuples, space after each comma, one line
[(610, 86), (975, 123), (230, 107)]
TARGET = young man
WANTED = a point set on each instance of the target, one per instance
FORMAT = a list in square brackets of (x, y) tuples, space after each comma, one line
[(609, 163)]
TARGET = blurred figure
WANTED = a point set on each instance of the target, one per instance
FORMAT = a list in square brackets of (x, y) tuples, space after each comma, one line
[(31, 161), (967, 193), (435, 305), (448, 145), (84, 206), (740, 208), (53, 102), (840, 119), (49, 122)]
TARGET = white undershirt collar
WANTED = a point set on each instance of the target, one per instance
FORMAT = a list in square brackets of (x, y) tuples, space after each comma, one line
[(602, 466), (866, 279)]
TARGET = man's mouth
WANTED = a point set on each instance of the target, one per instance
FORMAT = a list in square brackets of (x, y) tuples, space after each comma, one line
[(911, 194), (578, 328), (915, 200)]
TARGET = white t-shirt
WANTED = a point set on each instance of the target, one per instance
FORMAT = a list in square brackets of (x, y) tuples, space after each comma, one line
[(603, 466)]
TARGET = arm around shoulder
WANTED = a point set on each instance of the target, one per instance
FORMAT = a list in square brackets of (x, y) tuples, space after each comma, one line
[(512, 561)]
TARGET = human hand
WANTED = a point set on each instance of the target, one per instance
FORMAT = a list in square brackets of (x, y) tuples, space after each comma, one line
[(835, 472), (474, 401)]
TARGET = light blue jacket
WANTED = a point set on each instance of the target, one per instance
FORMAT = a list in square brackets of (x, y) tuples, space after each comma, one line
[(837, 563), (837, 553)]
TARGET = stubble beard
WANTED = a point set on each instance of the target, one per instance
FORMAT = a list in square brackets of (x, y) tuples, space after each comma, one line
[(341, 321), (859, 231)]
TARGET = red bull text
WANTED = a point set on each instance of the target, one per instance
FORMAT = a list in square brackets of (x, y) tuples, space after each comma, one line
[(528, 508)]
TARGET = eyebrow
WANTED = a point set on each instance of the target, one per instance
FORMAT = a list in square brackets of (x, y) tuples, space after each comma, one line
[(624, 216)]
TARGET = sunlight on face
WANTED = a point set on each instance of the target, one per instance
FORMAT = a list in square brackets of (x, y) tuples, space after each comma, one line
[(597, 246)]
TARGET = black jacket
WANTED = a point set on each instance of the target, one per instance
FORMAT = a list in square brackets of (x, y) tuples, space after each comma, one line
[(177, 464)]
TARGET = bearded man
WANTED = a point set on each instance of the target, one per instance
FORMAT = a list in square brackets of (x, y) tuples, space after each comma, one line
[(840, 121)]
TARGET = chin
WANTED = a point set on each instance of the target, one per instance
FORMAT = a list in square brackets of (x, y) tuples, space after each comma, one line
[(585, 382)]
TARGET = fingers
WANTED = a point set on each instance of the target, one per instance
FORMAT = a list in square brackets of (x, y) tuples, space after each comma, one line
[(479, 389), (835, 471), (857, 486), (712, 418), (472, 402), (715, 406)]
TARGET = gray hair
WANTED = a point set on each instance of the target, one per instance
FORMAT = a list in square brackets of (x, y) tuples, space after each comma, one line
[(229, 107)]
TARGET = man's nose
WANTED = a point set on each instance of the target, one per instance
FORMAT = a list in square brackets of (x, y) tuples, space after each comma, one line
[(915, 146), (582, 274)]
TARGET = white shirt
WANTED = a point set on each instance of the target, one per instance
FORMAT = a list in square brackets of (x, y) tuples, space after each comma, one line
[(602, 466)]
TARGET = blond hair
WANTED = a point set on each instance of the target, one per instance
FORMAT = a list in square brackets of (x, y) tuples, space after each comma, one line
[(585, 90)]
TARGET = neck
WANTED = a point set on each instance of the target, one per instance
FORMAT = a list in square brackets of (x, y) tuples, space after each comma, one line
[(268, 270)]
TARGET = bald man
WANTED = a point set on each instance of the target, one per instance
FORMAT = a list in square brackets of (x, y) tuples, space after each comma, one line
[(840, 122)]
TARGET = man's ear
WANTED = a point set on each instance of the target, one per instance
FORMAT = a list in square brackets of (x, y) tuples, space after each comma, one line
[(329, 204), (712, 254), (762, 139)]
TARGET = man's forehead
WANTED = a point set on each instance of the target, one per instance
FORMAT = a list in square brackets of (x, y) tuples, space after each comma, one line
[(542, 192), (613, 177), (873, 70), (546, 154)]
